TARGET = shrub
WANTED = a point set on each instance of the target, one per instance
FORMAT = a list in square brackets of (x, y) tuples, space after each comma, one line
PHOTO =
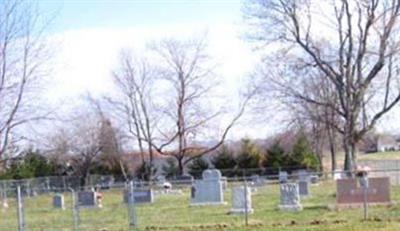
[(197, 166)]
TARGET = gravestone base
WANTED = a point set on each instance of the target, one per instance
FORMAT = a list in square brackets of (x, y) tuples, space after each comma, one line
[(207, 203), (339, 207), (241, 211), (291, 208)]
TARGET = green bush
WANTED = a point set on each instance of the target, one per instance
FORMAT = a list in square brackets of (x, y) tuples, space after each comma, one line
[(225, 161), (31, 164), (145, 171), (170, 168), (302, 154), (249, 156), (197, 166), (275, 156)]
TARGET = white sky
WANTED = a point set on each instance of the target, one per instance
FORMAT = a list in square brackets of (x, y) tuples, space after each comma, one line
[(88, 36)]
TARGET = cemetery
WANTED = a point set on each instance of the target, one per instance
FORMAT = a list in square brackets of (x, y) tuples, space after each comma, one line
[(199, 115), (275, 206)]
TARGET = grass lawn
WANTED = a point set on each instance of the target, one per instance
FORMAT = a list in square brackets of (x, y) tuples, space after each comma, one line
[(380, 156), (173, 212)]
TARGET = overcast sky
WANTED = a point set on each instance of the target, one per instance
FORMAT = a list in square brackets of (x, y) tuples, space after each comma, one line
[(89, 34)]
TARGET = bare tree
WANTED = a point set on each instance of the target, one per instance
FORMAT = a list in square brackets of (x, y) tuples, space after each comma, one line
[(355, 44), (134, 105), (22, 55), (187, 74)]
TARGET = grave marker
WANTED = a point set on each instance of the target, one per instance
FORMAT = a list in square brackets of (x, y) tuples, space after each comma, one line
[(209, 190), (349, 192), (290, 198), (58, 201), (283, 177), (87, 199), (140, 196), (241, 195), (304, 188)]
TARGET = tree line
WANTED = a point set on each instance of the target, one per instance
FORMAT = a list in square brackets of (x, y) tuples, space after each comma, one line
[(249, 159)]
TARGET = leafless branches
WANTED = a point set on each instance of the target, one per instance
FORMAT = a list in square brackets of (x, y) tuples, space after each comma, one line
[(350, 43), (22, 53)]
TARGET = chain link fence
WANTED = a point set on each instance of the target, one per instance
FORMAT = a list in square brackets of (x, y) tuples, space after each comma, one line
[(36, 204)]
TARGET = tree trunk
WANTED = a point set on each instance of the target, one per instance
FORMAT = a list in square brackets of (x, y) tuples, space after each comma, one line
[(332, 148), (180, 166)]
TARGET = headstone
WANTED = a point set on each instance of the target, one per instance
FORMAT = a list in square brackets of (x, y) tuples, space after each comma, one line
[(337, 174), (87, 199), (283, 177), (58, 201), (303, 175), (224, 181), (209, 190), (290, 199), (350, 192), (258, 181), (140, 196), (184, 180), (304, 188), (241, 195), (314, 179)]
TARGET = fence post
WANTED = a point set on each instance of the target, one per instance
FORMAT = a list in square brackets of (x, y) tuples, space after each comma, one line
[(131, 207), (246, 209), (20, 210), (75, 210)]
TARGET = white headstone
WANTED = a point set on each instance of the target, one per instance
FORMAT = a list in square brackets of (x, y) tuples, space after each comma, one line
[(209, 190), (337, 174), (241, 195), (290, 198)]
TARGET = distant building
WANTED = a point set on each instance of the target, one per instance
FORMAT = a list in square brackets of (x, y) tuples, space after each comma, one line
[(386, 143), (380, 143)]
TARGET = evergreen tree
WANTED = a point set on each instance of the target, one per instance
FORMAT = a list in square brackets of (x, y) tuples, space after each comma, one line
[(302, 155), (170, 168), (275, 157), (197, 166), (224, 159), (249, 156)]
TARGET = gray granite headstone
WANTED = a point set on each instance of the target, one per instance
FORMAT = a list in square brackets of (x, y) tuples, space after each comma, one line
[(241, 195), (304, 188), (303, 175), (140, 196), (290, 198), (58, 201), (87, 199), (209, 190), (283, 177), (258, 181), (314, 179)]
